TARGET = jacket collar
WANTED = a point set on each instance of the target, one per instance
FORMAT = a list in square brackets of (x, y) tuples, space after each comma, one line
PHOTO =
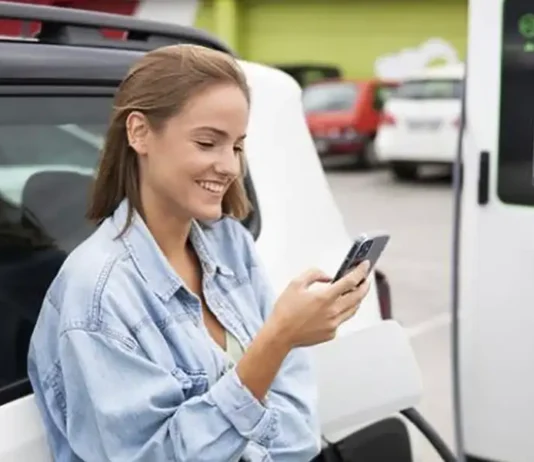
[(150, 260)]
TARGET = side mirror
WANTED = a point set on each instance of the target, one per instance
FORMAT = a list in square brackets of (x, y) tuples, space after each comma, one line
[(376, 377)]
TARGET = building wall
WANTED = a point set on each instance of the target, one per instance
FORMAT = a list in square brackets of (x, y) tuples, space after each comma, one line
[(364, 37)]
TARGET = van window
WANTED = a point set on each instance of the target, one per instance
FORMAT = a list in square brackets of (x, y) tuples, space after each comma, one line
[(430, 89), (49, 148), (331, 96), (515, 141)]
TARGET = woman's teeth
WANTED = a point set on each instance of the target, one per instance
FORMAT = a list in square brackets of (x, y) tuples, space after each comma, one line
[(211, 186)]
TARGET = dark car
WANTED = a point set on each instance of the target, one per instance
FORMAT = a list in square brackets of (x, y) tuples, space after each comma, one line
[(307, 73)]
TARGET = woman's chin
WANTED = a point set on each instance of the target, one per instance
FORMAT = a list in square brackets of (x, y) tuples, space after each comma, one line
[(209, 213)]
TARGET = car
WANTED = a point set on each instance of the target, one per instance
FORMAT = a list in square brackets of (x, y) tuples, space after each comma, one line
[(420, 122), (308, 73), (56, 91), (343, 117)]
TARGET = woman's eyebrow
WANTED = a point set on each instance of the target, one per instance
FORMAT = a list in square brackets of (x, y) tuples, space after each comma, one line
[(218, 132)]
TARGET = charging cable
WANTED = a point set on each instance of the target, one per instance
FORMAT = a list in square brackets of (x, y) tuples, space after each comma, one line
[(333, 454)]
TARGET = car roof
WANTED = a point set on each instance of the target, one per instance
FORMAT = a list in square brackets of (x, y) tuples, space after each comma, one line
[(70, 45), (54, 63)]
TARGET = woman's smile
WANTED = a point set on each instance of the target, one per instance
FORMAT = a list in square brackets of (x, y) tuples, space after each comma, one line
[(214, 187)]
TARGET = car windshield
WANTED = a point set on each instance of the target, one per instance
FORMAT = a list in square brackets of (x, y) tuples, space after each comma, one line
[(430, 89), (327, 97)]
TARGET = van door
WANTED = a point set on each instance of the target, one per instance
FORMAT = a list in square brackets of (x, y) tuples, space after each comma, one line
[(496, 373)]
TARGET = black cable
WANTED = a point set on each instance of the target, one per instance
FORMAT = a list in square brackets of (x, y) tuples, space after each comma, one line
[(333, 454), (431, 435)]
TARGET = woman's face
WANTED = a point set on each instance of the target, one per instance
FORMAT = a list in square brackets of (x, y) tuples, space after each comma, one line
[(187, 166)]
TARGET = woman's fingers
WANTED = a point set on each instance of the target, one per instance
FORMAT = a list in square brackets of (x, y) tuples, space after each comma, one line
[(351, 300)]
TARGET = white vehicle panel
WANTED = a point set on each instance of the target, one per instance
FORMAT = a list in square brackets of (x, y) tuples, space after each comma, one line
[(21, 433), (302, 226), (497, 264)]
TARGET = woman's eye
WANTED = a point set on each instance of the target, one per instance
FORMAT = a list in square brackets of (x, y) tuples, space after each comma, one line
[(205, 144), (238, 149)]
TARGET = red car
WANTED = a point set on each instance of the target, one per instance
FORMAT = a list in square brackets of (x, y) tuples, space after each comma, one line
[(343, 117)]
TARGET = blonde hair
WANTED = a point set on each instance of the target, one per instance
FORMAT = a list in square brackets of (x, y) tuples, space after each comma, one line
[(159, 85)]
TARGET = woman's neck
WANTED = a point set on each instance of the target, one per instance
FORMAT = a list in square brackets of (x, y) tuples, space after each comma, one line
[(170, 231)]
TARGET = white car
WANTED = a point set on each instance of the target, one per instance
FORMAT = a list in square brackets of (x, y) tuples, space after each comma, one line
[(51, 131), (421, 120)]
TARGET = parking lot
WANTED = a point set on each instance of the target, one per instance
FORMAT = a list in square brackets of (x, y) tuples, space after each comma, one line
[(418, 215)]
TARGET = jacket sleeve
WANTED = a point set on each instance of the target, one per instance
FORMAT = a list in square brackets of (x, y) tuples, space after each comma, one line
[(294, 392), (152, 420)]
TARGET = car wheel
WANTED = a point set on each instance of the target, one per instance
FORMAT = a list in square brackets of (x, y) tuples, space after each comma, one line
[(405, 171)]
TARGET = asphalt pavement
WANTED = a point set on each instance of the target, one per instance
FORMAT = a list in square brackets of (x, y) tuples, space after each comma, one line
[(418, 216)]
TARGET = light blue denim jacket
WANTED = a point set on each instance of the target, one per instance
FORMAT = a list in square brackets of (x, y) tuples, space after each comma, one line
[(123, 368)]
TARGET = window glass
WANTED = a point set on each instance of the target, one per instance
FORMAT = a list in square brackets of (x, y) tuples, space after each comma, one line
[(384, 92), (331, 96), (49, 149), (515, 155), (430, 89)]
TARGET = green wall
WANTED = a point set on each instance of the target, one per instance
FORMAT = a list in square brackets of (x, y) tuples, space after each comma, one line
[(349, 33)]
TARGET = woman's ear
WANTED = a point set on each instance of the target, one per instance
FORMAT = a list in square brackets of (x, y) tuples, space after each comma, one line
[(137, 130)]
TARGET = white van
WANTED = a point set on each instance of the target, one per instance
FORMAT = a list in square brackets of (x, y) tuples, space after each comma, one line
[(494, 366), (420, 121), (55, 97)]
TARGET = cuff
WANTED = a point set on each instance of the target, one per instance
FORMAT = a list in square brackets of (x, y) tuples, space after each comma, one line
[(248, 416)]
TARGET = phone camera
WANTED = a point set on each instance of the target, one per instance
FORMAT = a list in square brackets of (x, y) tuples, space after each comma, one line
[(365, 248)]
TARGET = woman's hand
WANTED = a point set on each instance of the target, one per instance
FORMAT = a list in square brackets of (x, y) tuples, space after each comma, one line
[(306, 316)]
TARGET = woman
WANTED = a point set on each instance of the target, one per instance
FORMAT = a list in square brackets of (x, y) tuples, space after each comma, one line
[(159, 339)]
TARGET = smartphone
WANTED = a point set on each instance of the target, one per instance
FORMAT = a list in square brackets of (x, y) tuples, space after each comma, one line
[(366, 247)]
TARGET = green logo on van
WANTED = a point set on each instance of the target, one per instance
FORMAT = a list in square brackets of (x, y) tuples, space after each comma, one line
[(526, 25)]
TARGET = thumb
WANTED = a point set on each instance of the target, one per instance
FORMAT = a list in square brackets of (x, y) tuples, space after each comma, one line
[(311, 276)]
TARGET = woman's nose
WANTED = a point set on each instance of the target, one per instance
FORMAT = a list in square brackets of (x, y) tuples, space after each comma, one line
[(230, 163)]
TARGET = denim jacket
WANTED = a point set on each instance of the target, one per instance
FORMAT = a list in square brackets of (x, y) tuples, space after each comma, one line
[(124, 370)]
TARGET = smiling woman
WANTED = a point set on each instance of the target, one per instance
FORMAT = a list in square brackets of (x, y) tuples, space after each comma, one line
[(49, 148), (168, 293)]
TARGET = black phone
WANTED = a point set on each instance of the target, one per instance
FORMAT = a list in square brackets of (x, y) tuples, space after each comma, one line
[(366, 247)]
